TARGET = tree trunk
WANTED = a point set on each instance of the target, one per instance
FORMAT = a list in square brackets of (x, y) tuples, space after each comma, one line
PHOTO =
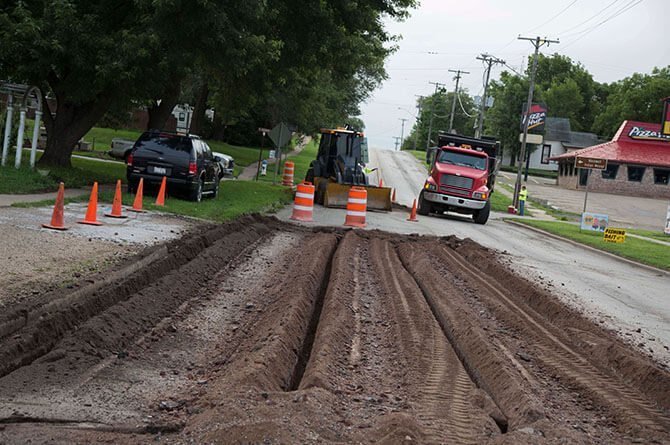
[(198, 118), (71, 123), (219, 127), (160, 112)]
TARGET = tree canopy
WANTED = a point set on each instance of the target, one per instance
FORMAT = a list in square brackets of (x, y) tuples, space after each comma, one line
[(309, 63)]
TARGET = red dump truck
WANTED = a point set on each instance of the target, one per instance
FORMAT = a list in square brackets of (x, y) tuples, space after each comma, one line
[(462, 176)]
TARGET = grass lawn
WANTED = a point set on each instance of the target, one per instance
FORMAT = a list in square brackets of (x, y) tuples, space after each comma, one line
[(500, 202), (301, 161), (531, 171), (83, 172), (420, 155), (235, 198), (650, 234), (646, 252)]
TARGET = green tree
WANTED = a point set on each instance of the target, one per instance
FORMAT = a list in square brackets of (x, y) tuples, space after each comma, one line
[(637, 97), (438, 105)]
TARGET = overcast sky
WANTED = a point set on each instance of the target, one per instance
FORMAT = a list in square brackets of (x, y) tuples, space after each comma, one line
[(449, 34)]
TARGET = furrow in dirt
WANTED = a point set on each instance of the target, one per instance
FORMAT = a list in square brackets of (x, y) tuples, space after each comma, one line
[(169, 281), (485, 365), (448, 404), (555, 349)]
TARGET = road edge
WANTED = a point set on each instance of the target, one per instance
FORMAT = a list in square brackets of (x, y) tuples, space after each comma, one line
[(593, 249)]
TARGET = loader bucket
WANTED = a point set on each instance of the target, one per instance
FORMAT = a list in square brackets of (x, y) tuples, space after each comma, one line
[(336, 195)]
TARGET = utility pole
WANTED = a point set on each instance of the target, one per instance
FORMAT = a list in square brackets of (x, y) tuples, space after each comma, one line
[(397, 141), (488, 60), (402, 130), (537, 43), (418, 115), (432, 112), (453, 102)]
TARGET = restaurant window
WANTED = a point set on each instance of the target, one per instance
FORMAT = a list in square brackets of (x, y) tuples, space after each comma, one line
[(661, 176), (635, 174), (546, 154), (611, 171)]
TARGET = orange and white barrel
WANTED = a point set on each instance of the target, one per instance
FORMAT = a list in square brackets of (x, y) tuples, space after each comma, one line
[(303, 206), (356, 207), (289, 168)]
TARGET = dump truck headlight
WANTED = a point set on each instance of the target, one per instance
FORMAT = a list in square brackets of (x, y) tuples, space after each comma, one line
[(431, 187), (479, 195)]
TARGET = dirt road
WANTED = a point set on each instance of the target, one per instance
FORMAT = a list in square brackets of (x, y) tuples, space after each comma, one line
[(262, 332)]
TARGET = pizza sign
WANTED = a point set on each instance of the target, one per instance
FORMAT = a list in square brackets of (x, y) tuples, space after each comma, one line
[(536, 118), (642, 134)]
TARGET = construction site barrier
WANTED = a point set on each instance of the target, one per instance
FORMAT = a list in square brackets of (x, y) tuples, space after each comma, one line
[(289, 168), (303, 206), (57, 215), (116, 205), (91, 217), (356, 207)]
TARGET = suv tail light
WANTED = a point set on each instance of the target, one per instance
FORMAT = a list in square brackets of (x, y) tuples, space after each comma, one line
[(129, 160), (192, 168)]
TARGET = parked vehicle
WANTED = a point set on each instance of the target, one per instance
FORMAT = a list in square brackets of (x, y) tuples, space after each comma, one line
[(339, 165), (185, 160), (226, 163), (462, 177), (121, 148)]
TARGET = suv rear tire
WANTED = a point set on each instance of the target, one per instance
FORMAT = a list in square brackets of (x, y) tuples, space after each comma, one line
[(196, 195)]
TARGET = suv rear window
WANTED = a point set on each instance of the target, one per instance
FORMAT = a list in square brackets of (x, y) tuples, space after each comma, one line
[(162, 142)]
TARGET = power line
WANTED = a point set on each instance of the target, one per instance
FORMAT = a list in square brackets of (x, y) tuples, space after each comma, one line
[(617, 14), (432, 112), (553, 18), (590, 18)]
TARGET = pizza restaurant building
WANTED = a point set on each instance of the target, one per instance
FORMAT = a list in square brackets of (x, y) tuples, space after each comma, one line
[(638, 163)]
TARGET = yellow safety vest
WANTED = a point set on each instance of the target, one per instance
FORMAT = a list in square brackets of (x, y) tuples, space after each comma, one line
[(523, 194)]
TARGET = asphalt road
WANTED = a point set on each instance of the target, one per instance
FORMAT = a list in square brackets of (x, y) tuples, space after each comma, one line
[(616, 293)]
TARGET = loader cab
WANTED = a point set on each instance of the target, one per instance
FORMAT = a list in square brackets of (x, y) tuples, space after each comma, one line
[(341, 152)]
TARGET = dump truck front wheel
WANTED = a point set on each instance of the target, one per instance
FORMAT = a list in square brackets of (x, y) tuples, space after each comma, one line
[(424, 207), (481, 216)]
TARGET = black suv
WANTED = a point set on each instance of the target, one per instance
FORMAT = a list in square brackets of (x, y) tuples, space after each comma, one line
[(185, 160)]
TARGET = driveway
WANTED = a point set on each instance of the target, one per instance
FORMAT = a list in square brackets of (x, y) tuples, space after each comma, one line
[(627, 211)]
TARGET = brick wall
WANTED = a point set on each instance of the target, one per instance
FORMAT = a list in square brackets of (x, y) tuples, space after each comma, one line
[(620, 185)]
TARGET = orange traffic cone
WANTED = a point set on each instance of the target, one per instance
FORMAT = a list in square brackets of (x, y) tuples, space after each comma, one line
[(57, 216), (116, 206), (91, 217), (381, 182), (393, 196), (160, 199), (412, 214), (137, 204)]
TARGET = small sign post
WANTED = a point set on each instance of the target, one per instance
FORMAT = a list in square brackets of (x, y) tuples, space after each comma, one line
[(280, 135), (589, 164), (667, 222)]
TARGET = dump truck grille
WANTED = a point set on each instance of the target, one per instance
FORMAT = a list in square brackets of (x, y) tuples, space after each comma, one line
[(456, 181)]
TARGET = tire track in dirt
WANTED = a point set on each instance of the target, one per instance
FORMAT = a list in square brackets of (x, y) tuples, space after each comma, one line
[(445, 390), (483, 363), (552, 348)]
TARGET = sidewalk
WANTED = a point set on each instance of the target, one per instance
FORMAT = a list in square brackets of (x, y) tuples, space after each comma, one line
[(250, 170), (9, 199)]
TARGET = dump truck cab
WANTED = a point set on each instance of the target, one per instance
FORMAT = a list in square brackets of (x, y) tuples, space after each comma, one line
[(462, 177)]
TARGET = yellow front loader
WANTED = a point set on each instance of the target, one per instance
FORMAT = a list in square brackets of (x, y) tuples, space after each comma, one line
[(339, 165)]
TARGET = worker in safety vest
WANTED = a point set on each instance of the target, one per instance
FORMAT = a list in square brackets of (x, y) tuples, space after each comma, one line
[(523, 195)]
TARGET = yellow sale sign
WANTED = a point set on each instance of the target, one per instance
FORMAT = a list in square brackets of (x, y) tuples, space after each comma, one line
[(614, 235)]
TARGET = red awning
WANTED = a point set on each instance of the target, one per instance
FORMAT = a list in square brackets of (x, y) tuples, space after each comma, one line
[(627, 150)]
